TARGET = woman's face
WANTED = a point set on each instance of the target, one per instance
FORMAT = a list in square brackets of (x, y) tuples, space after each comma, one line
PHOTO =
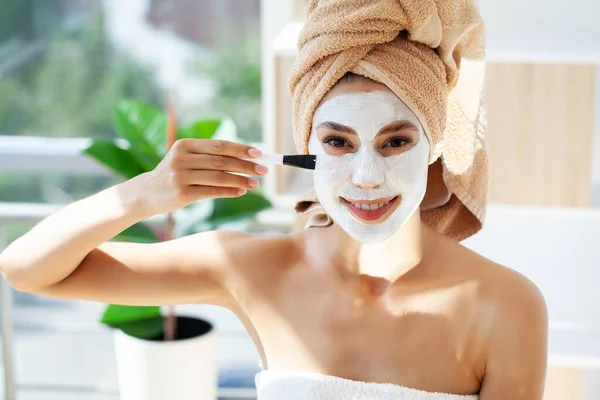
[(372, 159)]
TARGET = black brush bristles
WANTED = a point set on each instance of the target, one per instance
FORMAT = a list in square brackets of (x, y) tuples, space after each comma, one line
[(301, 161)]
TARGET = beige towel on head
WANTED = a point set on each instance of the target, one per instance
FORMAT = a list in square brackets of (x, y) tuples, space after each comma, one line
[(430, 53)]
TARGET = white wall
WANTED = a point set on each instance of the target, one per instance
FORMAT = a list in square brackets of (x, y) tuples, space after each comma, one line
[(543, 26)]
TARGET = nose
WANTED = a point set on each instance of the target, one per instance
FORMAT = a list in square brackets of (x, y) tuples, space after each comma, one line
[(369, 173)]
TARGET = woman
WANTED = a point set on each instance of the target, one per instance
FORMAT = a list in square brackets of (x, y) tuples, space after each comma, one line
[(376, 299)]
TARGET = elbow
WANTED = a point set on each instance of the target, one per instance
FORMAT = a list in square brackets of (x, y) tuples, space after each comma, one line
[(8, 268), (16, 276), (15, 281), (23, 285)]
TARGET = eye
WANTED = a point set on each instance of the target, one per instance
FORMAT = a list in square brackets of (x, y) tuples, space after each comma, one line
[(396, 142), (336, 141)]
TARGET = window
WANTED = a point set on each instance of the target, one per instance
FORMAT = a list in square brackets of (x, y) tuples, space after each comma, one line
[(63, 66)]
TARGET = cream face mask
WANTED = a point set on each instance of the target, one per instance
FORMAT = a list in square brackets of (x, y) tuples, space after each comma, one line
[(369, 195)]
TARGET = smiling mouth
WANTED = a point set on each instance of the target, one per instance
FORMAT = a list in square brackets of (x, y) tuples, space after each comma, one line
[(371, 211)]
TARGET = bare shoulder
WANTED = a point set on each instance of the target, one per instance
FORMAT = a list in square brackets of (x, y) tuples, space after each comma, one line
[(512, 327), (228, 257), (253, 261), (504, 295), (261, 251), (236, 247), (509, 294)]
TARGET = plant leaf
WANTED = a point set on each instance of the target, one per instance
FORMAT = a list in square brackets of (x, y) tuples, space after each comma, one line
[(227, 210), (143, 329), (227, 131), (192, 219), (138, 233), (144, 127), (123, 162), (117, 314), (203, 129)]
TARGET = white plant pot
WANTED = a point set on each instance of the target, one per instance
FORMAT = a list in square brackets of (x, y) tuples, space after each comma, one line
[(185, 369)]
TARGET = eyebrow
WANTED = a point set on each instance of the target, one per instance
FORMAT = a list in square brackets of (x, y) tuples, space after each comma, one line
[(334, 126), (398, 126), (389, 128)]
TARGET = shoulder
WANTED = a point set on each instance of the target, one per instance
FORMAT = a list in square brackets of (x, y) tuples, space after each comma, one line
[(508, 297), (514, 331), (249, 256), (228, 254), (500, 288), (505, 297), (512, 325), (245, 248), (502, 292)]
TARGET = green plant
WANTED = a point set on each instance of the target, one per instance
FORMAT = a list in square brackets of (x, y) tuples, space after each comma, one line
[(144, 129)]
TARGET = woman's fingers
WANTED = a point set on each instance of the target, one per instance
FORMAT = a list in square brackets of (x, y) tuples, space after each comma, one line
[(217, 179), (202, 169), (219, 163), (218, 147)]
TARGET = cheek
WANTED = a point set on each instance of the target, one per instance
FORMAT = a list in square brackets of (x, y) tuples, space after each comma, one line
[(335, 168), (333, 174), (325, 188), (330, 179), (407, 171), (314, 145)]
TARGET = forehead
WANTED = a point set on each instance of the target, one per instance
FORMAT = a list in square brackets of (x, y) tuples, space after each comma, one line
[(363, 109)]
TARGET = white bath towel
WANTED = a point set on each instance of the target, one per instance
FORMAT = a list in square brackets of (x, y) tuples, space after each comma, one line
[(300, 385)]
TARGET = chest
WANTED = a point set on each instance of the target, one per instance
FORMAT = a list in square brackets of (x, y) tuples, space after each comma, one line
[(417, 338)]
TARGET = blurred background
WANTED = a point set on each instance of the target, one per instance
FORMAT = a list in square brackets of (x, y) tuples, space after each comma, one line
[(64, 64)]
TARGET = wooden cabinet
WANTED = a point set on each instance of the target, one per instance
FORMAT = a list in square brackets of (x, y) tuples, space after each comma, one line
[(540, 130)]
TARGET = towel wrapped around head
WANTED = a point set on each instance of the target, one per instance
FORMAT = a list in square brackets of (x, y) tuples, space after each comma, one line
[(430, 53)]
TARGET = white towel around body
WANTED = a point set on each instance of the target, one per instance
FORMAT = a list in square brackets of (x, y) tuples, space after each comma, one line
[(302, 385)]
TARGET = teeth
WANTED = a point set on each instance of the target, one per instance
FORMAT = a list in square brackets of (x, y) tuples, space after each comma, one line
[(370, 207)]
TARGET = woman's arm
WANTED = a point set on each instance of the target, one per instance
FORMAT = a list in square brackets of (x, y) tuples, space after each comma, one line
[(52, 250), (518, 346), (67, 254), (189, 270)]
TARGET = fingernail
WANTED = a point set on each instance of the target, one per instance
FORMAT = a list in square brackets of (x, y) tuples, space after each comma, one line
[(242, 191), (261, 169), (255, 152), (253, 183)]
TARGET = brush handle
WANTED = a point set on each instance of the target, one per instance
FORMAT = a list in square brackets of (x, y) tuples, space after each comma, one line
[(268, 158)]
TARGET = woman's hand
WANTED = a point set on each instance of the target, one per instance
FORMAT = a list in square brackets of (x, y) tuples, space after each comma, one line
[(198, 169)]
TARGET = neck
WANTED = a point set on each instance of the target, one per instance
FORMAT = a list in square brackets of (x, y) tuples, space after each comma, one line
[(392, 258)]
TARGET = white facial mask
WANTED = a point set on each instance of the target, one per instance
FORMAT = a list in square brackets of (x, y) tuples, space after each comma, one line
[(365, 174)]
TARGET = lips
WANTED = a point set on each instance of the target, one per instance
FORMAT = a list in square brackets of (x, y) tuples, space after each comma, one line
[(370, 211)]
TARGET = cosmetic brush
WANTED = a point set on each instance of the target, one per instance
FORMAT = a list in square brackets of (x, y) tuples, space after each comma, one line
[(307, 161)]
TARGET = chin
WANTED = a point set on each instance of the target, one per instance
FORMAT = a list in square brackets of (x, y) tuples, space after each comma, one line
[(371, 236)]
